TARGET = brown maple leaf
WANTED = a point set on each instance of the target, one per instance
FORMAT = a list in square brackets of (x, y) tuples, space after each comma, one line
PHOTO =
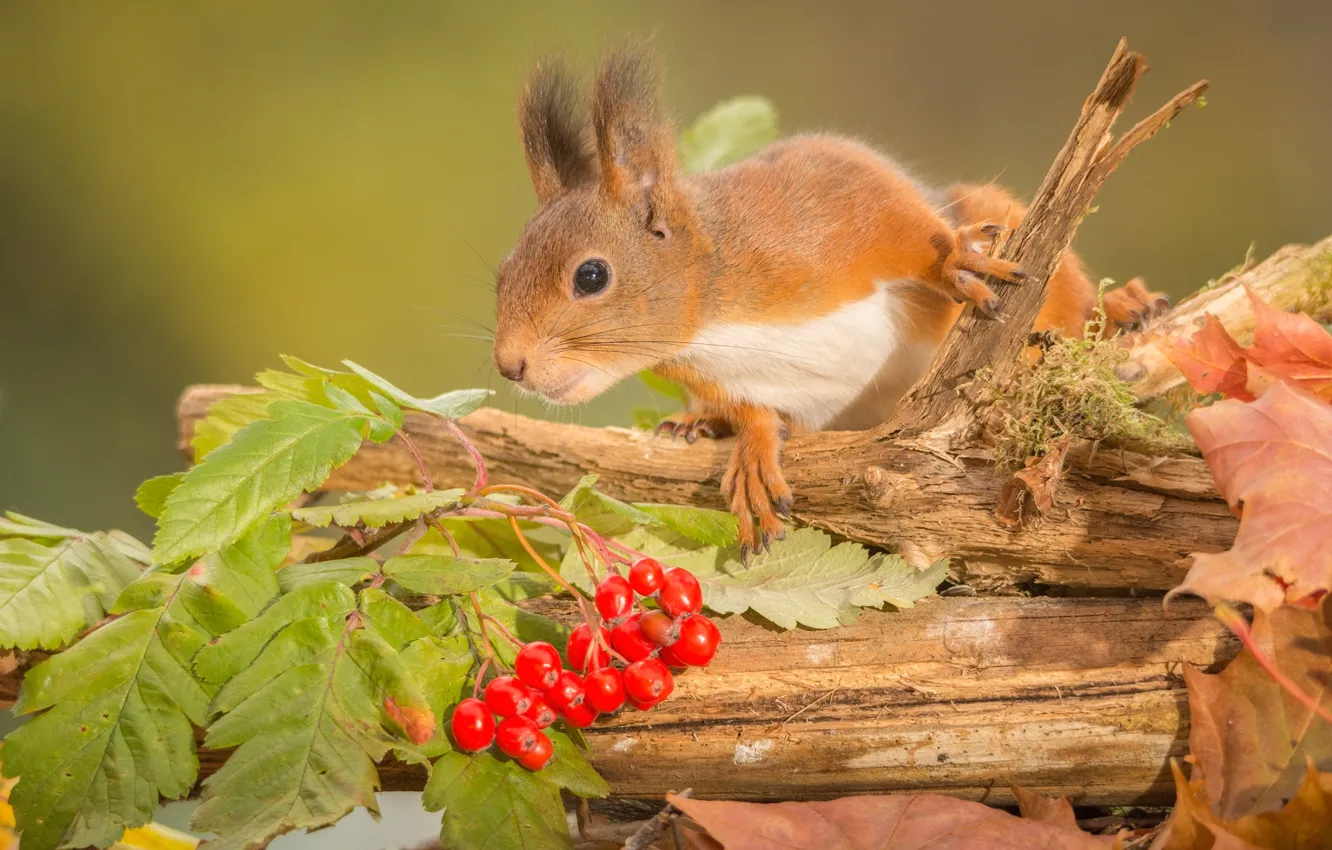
[(894, 822), (1212, 361), (418, 723), (1249, 736), (1273, 457), (1055, 810)]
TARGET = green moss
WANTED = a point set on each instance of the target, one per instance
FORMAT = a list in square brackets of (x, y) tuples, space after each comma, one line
[(1318, 301), (1074, 390)]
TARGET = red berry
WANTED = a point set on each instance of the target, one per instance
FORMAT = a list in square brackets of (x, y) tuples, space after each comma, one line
[(537, 665), (680, 593), (580, 646), (698, 641), (580, 715), (645, 576), (516, 736), (614, 597), (473, 725), (541, 713), (628, 640), (658, 627), (604, 690), (668, 655), (508, 697), (568, 689), (648, 681), (539, 756), (643, 706)]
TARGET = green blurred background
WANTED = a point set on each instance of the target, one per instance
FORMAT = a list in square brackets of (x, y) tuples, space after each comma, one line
[(190, 188)]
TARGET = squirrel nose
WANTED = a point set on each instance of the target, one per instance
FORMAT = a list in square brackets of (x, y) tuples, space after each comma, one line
[(512, 369)]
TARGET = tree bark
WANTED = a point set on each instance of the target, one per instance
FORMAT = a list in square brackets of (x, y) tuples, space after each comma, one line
[(957, 696)]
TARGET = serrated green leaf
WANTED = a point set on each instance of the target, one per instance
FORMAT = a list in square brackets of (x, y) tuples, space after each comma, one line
[(569, 769), (116, 729), (17, 525), (377, 513), (246, 571), (51, 591), (658, 384), (225, 657), (231, 413), (482, 538), (715, 528), (343, 400), (444, 575), (493, 803), (309, 719), (450, 405), (729, 132), (346, 571), (442, 666), (266, 464), (390, 619), (525, 625), (152, 494), (602, 513), (387, 409)]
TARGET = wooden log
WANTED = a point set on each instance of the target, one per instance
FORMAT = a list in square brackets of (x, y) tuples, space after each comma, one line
[(1076, 697), (1125, 521)]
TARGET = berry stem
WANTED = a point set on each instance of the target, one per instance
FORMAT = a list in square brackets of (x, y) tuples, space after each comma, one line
[(502, 629), (482, 475), (420, 462)]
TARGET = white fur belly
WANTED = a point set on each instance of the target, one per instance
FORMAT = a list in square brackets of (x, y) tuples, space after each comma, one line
[(810, 371)]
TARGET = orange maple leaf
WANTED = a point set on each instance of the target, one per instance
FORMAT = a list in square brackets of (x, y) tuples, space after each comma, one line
[(1273, 457), (418, 723), (1212, 361)]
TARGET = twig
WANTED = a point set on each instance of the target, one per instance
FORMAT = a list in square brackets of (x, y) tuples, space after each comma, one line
[(654, 827), (416, 456), (807, 706)]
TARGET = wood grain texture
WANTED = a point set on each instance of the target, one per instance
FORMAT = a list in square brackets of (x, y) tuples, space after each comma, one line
[(957, 696)]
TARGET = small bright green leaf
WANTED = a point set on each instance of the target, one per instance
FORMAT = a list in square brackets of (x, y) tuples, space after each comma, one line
[(657, 383), (377, 513), (344, 401), (569, 769), (445, 575), (715, 528), (387, 409), (346, 571), (226, 656), (601, 512), (152, 494), (266, 465), (493, 803), (309, 718), (51, 593), (390, 619), (450, 405), (729, 132), (246, 571), (116, 729)]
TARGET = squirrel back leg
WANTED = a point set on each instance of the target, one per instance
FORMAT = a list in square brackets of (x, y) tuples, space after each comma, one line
[(1132, 307)]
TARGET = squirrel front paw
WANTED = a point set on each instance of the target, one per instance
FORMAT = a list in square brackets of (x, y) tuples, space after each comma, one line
[(964, 269), (1132, 307), (756, 489), (691, 426)]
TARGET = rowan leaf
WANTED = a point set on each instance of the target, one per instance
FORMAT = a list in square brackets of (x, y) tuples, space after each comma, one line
[(51, 589), (266, 464), (347, 571), (451, 405), (603, 513), (489, 802), (377, 513), (116, 729), (527, 626), (569, 768), (893, 822), (1250, 737), (152, 494), (444, 575), (309, 718), (482, 538), (1273, 457), (727, 133), (390, 619), (441, 666), (14, 524), (246, 571), (715, 528)]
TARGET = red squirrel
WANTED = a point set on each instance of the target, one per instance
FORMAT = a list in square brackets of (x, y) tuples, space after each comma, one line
[(801, 289)]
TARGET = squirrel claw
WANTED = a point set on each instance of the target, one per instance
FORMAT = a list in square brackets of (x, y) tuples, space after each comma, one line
[(691, 426), (989, 308)]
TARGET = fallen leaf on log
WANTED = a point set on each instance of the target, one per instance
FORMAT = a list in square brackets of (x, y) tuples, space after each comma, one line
[(895, 822), (1273, 457), (1303, 823), (1248, 735), (1055, 810), (1029, 493), (1212, 361)]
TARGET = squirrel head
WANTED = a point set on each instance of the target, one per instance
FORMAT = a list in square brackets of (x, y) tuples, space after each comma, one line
[(604, 280)]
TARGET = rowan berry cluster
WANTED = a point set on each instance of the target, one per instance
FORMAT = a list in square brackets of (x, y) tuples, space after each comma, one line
[(628, 663)]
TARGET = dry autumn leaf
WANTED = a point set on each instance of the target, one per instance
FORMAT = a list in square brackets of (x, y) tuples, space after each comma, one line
[(1055, 810), (1303, 823), (1273, 457), (419, 724), (896, 822), (1212, 361)]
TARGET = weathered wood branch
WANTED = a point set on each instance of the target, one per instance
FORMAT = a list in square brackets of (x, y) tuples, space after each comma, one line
[(1088, 157), (1074, 697), (1125, 520)]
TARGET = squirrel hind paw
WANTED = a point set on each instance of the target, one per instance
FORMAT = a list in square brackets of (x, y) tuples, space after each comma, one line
[(691, 426), (1132, 307)]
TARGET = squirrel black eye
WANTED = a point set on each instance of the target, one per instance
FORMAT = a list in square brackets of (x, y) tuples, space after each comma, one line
[(591, 277)]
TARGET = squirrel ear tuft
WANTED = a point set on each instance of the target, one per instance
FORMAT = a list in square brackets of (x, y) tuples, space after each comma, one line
[(554, 127), (635, 141)]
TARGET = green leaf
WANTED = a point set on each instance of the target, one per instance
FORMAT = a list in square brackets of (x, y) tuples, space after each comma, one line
[(525, 625), (377, 513), (450, 405), (231, 413), (657, 383), (309, 718), (226, 656), (152, 494), (570, 769), (493, 538), (266, 465), (646, 418), (246, 571), (715, 528), (116, 729), (493, 803), (729, 132), (442, 667), (347, 571), (17, 525), (390, 619), (387, 409), (51, 593), (601, 512), (444, 575)]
